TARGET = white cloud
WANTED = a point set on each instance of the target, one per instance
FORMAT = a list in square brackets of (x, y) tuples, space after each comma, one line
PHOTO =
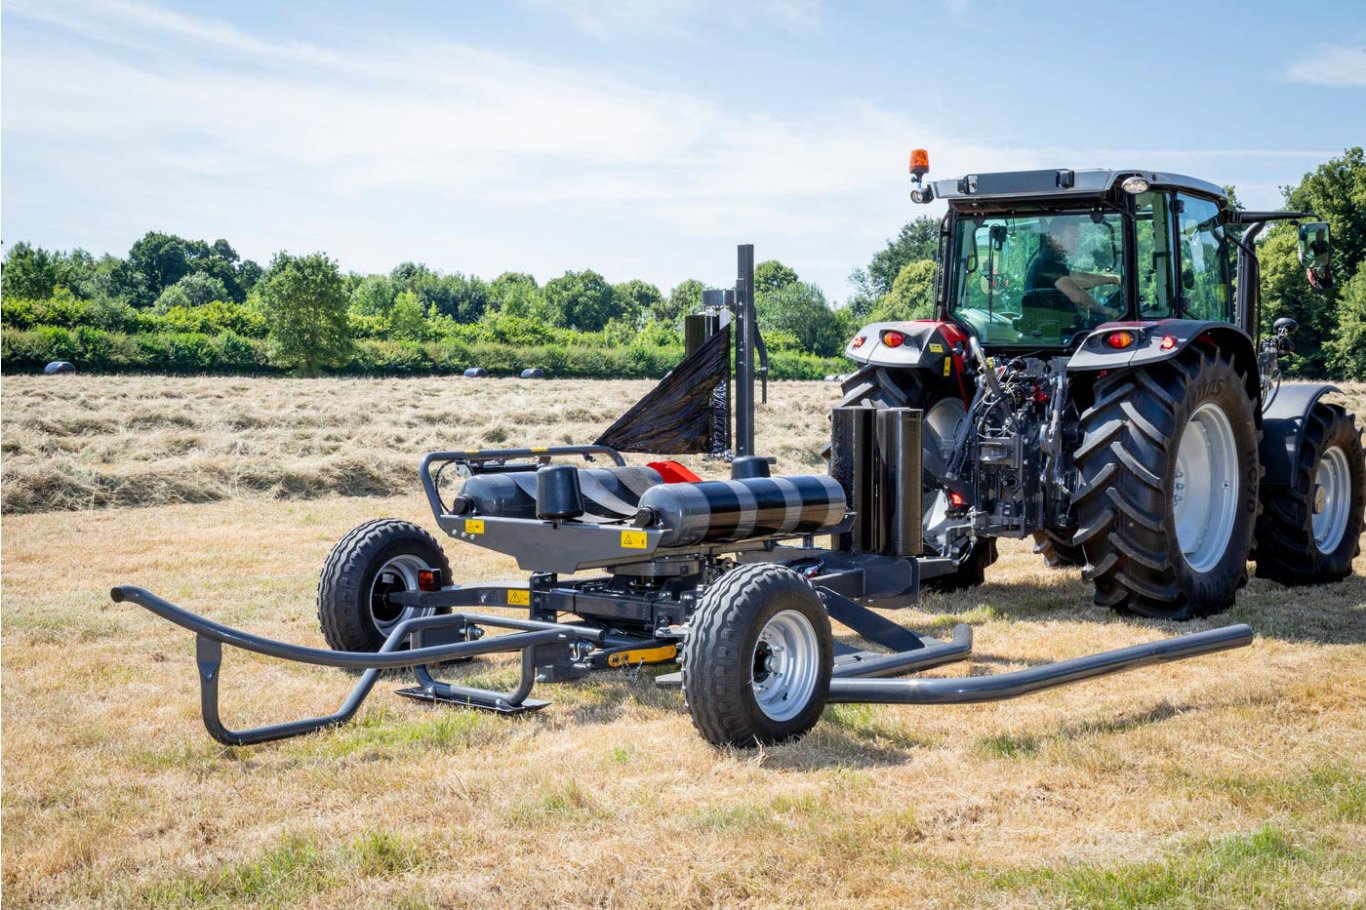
[(1331, 64), (160, 115)]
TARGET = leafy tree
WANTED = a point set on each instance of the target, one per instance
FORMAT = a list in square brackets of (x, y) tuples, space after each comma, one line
[(635, 301), (771, 275), (685, 298), (373, 296), (579, 300), (158, 260), (912, 294), (454, 295), (919, 239), (195, 289), (800, 310), (407, 319), (1336, 192), (517, 294), (1347, 351), (509, 283), (30, 273), (305, 309)]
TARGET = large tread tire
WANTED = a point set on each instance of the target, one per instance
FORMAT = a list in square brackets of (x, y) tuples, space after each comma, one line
[(1057, 549), (1126, 465), (971, 572), (1287, 551), (345, 585), (718, 656), (882, 387)]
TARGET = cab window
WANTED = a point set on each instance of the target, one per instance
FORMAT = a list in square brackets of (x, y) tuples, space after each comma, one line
[(1205, 254), (1157, 298)]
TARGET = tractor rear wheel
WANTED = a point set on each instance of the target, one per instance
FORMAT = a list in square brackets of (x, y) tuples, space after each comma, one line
[(1310, 529), (1167, 494), (758, 658), (1057, 549), (372, 561)]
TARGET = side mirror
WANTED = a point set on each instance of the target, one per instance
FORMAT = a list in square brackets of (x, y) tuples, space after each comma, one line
[(1314, 250), (1285, 326)]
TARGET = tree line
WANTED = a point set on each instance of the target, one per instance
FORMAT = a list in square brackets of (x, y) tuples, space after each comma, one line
[(177, 304)]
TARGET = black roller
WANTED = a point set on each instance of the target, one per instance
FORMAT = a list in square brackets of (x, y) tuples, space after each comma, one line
[(558, 495), (728, 510), (747, 466)]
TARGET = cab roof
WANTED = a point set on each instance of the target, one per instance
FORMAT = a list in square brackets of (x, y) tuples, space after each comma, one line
[(1061, 183)]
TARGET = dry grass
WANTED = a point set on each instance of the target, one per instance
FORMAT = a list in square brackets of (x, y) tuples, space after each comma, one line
[(91, 442), (1231, 781)]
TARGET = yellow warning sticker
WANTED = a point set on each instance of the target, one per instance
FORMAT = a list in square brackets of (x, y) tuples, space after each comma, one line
[(936, 348), (518, 598), (474, 526), (948, 365), (540, 449), (634, 540)]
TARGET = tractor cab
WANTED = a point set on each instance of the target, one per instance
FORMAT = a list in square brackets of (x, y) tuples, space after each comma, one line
[(1037, 260)]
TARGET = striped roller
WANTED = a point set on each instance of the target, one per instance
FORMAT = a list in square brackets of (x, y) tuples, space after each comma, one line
[(713, 511)]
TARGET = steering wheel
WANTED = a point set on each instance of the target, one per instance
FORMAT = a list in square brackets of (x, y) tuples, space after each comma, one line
[(1104, 295)]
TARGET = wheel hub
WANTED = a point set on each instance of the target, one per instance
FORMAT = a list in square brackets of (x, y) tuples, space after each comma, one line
[(786, 664), (1206, 486), (398, 574), (1332, 499)]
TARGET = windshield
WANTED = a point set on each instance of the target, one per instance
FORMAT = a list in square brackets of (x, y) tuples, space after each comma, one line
[(1036, 280)]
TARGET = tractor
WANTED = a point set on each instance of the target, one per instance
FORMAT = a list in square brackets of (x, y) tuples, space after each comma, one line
[(1095, 377)]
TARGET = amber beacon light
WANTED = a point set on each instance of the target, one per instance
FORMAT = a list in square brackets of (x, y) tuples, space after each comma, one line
[(920, 166)]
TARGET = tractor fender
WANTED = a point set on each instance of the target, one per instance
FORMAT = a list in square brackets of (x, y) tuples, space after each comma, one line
[(1162, 340), (1283, 420), (926, 344)]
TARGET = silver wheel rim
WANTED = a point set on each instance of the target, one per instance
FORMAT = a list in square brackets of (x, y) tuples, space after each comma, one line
[(1332, 499), (786, 663), (398, 574), (1205, 497)]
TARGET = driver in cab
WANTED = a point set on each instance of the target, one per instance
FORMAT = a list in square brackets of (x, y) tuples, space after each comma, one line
[(1051, 270)]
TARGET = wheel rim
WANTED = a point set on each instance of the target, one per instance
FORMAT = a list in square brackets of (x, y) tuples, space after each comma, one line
[(786, 663), (1205, 498), (398, 574), (1332, 499)]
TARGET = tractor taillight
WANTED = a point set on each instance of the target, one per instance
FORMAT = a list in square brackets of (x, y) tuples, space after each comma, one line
[(893, 339), (1168, 342), (429, 579), (1119, 340), (859, 340), (957, 500)]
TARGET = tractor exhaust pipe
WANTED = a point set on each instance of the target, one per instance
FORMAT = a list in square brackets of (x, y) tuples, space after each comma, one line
[(971, 689)]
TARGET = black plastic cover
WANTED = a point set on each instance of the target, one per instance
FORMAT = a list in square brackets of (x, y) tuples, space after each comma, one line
[(685, 412)]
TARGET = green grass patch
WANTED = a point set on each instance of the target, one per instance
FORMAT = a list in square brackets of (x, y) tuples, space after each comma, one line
[(744, 817), (1330, 791), (868, 722), (1007, 745), (564, 801), (1246, 870), (294, 869), (387, 730)]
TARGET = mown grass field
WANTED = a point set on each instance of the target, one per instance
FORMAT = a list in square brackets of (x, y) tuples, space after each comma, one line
[(1235, 780)]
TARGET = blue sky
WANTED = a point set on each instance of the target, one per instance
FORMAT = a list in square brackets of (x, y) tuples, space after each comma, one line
[(640, 139)]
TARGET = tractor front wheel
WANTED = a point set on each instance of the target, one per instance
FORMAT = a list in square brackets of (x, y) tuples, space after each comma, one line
[(1167, 493), (758, 658)]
